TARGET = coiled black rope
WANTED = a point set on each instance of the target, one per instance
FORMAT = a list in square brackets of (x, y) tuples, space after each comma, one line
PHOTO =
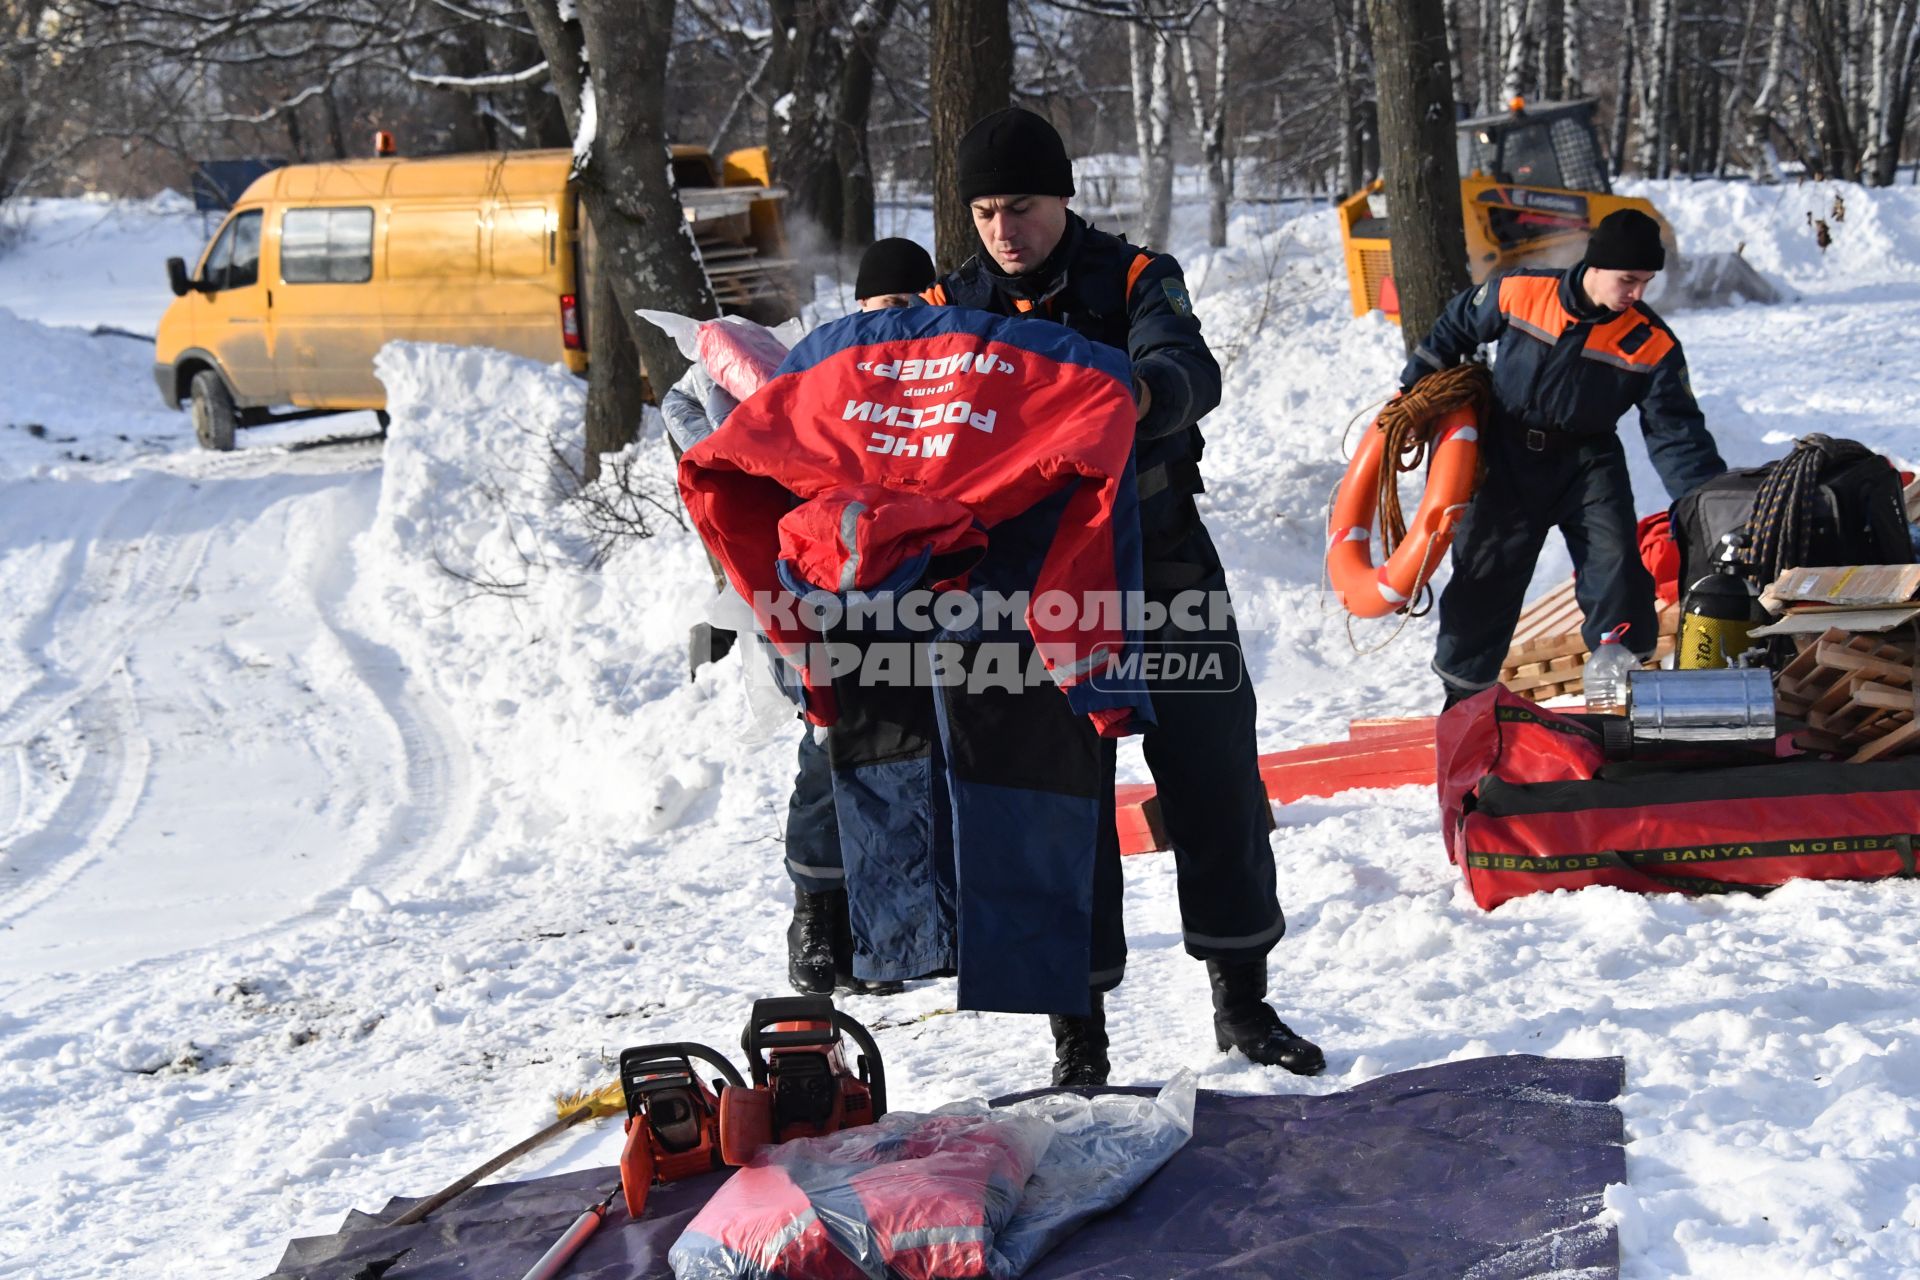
[(1780, 530)]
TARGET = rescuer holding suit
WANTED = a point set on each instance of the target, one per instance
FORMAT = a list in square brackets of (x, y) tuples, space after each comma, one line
[(1044, 261)]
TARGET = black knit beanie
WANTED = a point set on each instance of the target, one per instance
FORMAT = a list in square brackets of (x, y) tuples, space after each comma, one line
[(1013, 153), (1626, 240), (892, 266)]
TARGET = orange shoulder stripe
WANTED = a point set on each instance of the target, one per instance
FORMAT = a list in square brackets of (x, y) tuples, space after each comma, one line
[(936, 293), (1140, 262), (1532, 305), (1610, 342)]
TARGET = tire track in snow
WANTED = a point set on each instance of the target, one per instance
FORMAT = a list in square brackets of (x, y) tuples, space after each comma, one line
[(149, 571), (430, 828), (98, 804), (424, 830)]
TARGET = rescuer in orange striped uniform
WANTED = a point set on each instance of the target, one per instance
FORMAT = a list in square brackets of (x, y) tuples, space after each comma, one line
[(1576, 349)]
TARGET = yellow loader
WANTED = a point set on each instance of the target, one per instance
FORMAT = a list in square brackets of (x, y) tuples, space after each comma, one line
[(1536, 182)]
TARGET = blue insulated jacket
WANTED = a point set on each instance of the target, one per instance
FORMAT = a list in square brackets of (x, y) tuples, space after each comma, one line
[(1568, 368)]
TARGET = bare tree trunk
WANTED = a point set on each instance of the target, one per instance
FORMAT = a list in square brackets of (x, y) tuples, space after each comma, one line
[(1487, 65), (542, 120), (1763, 163), (1150, 58), (618, 54), (1210, 120), (1907, 48), (1422, 173), (1736, 88), (1516, 34), (616, 390), (1549, 48), (336, 134), (1891, 70), (972, 76), (296, 146), (1656, 90), (1623, 101), (1346, 49), (1456, 61), (1827, 49), (810, 53), (1572, 65), (850, 144), (470, 125)]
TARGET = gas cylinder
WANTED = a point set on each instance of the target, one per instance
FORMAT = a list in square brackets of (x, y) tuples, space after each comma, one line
[(1717, 616)]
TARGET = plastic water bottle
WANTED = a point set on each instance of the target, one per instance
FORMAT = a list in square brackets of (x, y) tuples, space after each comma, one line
[(1605, 676)]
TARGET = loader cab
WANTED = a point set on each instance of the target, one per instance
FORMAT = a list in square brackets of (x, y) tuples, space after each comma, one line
[(1533, 182), (1551, 144)]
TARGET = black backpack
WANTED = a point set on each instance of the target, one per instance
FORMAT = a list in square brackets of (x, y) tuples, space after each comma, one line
[(1828, 502)]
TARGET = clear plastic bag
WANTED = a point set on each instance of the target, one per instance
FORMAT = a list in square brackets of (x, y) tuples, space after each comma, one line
[(968, 1191), (737, 354), (1103, 1149)]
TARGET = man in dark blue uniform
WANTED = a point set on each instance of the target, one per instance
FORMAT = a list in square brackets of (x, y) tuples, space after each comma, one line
[(1044, 261), (1577, 349)]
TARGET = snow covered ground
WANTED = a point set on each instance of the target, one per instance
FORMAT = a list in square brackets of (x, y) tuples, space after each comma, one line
[(352, 811)]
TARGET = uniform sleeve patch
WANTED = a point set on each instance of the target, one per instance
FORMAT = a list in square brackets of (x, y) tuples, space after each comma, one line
[(1177, 297), (1480, 295)]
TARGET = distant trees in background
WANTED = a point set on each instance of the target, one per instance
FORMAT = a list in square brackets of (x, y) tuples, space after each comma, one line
[(1265, 97)]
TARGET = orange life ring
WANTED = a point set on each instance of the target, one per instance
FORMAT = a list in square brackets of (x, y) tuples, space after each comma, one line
[(1370, 592)]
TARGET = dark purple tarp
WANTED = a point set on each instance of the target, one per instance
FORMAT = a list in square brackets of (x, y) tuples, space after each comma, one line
[(1492, 1168)]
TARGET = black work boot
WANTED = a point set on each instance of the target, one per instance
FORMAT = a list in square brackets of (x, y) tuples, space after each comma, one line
[(810, 942), (1242, 1020), (843, 978), (1080, 1046)]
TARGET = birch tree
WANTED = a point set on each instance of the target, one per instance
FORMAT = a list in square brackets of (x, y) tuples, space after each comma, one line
[(1210, 120), (1517, 41), (1893, 47), (1656, 86), (1150, 61), (1572, 38)]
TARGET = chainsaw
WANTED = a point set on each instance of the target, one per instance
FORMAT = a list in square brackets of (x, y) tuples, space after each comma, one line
[(802, 1084), (673, 1117)]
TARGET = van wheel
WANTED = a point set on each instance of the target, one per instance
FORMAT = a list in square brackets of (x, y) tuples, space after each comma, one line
[(214, 416)]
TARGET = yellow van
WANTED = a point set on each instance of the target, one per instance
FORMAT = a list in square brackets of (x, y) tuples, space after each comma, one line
[(319, 265)]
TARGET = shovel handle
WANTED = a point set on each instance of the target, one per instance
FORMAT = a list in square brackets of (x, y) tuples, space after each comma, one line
[(500, 1161)]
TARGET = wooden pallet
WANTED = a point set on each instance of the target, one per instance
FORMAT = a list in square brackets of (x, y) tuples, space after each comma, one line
[(1859, 694), (1548, 654)]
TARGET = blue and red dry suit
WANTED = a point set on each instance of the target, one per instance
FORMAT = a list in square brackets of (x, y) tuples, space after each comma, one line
[(941, 450), (1565, 371)]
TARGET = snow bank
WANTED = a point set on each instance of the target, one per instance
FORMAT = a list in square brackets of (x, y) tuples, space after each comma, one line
[(482, 564), (73, 396), (1873, 233)]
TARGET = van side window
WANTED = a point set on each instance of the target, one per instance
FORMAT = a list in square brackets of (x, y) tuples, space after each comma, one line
[(234, 260), (326, 246), (213, 271), (244, 269)]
